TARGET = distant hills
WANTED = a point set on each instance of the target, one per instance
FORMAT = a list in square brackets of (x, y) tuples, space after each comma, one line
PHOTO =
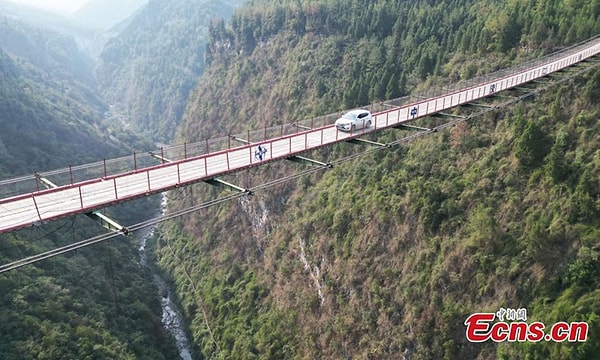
[(104, 14), (160, 52), (95, 14), (91, 26), (139, 50), (48, 96), (44, 19)]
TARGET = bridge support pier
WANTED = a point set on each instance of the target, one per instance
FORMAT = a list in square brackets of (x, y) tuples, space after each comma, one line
[(303, 160), (413, 127), (226, 185), (359, 141), (107, 222), (160, 157)]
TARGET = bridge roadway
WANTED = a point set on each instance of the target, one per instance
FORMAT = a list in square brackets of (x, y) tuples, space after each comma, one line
[(28, 209)]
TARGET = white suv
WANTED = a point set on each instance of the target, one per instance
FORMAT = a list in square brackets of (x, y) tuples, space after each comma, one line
[(354, 119)]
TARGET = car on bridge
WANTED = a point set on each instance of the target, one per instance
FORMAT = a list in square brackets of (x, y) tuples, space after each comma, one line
[(354, 119)]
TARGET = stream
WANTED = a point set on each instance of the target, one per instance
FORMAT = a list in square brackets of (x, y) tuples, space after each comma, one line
[(170, 314)]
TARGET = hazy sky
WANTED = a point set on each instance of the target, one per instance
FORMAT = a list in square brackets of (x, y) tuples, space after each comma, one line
[(55, 5)]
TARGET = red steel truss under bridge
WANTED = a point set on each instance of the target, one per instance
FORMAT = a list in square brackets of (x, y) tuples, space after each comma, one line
[(206, 161)]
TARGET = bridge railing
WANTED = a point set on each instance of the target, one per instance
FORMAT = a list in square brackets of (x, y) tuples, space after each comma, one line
[(501, 73), (139, 160)]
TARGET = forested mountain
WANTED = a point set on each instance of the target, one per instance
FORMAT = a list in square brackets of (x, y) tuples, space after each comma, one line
[(88, 38), (93, 303), (386, 256), (161, 52), (48, 99)]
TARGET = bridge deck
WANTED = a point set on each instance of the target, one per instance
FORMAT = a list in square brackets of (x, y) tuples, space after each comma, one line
[(81, 197)]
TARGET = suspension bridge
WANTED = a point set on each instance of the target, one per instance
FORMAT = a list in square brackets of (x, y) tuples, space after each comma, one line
[(44, 197)]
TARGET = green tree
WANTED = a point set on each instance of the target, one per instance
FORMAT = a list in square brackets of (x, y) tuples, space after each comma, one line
[(531, 146)]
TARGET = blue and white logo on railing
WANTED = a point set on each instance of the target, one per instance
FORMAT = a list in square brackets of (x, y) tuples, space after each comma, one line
[(414, 111), (260, 152)]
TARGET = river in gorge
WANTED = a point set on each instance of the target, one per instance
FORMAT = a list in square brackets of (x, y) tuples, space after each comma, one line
[(170, 314)]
